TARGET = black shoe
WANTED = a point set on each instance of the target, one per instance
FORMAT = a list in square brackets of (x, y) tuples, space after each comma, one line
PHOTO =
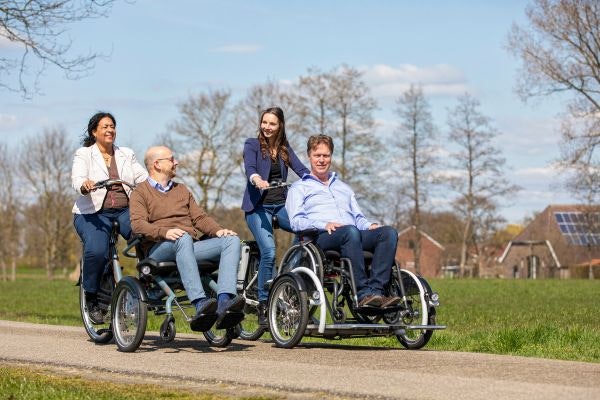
[(261, 310), (95, 313), (230, 313), (205, 315)]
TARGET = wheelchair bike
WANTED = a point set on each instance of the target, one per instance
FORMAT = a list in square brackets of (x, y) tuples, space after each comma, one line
[(315, 295), (125, 301), (158, 288)]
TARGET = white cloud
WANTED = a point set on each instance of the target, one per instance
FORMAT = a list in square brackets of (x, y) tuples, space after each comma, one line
[(7, 121), (436, 80), (238, 48)]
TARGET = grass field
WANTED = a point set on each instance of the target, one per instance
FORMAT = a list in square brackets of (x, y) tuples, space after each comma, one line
[(544, 318), (37, 383)]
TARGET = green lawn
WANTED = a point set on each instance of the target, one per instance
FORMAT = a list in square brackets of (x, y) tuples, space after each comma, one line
[(545, 318), (34, 383)]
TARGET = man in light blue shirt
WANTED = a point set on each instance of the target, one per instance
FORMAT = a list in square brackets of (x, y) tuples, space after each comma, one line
[(320, 200)]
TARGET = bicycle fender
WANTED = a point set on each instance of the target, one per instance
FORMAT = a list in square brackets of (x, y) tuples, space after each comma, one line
[(136, 285)]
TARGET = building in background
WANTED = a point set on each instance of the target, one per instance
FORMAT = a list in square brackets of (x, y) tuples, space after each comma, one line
[(563, 241), (432, 253)]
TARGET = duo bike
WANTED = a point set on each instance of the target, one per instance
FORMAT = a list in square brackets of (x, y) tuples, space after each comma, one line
[(313, 294)]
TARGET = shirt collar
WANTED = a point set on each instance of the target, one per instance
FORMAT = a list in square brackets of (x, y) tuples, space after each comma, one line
[(160, 187), (332, 177)]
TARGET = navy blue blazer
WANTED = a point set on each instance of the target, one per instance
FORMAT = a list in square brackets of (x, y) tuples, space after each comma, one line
[(255, 163)]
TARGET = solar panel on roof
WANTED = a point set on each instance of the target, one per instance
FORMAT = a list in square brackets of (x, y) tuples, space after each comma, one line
[(579, 229)]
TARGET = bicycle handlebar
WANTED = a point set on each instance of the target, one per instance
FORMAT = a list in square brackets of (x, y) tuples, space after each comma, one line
[(110, 182), (277, 184)]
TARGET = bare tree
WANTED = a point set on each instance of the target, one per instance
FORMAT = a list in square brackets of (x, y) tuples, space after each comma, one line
[(38, 30), (338, 103), (415, 148), (206, 140), (9, 207), (481, 182), (560, 55), (45, 165)]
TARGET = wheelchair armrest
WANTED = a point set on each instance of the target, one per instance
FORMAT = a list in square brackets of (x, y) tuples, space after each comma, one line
[(133, 241), (149, 266), (309, 234)]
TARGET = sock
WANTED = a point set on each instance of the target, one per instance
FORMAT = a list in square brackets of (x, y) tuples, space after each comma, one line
[(224, 297)]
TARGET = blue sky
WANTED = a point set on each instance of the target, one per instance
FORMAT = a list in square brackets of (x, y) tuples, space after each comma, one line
[(160, 52)]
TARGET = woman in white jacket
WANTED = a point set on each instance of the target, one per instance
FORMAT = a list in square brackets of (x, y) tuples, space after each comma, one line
[(94, 210)]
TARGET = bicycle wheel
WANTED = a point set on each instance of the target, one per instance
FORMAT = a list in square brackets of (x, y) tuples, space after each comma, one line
[(287, 312), (99, 333), (414, 311), (129, 314), (249, 329)]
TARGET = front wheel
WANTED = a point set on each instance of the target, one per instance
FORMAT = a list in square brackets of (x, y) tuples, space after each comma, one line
[(99, 333), (287, 312), (129, 314), (414, 310)]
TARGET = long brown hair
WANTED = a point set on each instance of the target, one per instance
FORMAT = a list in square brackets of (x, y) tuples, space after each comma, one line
[(281, 143)]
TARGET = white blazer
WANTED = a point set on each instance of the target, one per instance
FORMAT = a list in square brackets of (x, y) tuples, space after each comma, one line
[(89, 164)]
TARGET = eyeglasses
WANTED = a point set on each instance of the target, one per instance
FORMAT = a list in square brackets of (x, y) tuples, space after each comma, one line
[(172, 159)]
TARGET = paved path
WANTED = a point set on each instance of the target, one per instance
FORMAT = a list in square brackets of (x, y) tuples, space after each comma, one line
[(306, 372)]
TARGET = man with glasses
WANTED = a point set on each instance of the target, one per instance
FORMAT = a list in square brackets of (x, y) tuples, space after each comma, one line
[(172, 223), (321, 201)]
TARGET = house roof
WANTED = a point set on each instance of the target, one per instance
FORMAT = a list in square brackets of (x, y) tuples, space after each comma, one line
[(432, 240), (566, 230)]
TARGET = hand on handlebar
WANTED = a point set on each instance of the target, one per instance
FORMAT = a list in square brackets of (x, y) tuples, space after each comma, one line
[(88, 186), (261, 184)]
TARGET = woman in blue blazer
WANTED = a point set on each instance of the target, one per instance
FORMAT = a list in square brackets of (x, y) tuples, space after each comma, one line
[(267, 158)]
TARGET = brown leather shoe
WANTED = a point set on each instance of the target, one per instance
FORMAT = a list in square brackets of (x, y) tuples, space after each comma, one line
[(390, 301), (371, 300)]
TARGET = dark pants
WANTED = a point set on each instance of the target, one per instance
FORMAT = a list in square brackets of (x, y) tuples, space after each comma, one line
[(350, 242), (94, 231)]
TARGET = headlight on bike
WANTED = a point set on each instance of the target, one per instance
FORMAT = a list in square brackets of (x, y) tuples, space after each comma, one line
[(145, 270), (434, 299)]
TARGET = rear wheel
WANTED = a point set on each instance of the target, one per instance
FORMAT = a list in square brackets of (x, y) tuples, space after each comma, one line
[(129, 315), (415, 309), (99, 333), (249, 329), (287, 312)]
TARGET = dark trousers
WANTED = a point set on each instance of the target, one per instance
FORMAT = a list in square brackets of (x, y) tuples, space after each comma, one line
[(94, 231), (350, 242)]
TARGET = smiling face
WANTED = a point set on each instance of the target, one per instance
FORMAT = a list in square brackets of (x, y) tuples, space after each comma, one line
[(105, 133), (269, 126), (320, 161)]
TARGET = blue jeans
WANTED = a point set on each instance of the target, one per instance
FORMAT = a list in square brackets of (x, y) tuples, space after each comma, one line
[(260, 223), (94, 231), (187, 253), (350, 242)]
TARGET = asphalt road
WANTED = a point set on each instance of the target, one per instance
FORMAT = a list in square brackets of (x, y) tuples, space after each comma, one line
[(308, 371)]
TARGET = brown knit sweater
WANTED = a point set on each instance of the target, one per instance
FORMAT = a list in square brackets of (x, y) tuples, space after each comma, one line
[(153, 213)]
